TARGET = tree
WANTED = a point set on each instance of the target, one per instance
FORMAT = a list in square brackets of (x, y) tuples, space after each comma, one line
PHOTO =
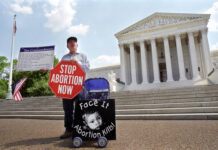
[(3, 65), (3, 74), (3, 88)]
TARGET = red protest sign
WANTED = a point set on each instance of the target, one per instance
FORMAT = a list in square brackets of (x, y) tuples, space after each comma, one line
[(66, 79)]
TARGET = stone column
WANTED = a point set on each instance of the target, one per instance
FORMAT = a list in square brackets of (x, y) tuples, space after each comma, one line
[(193, 55), (206, 51), (133, 63), (168, 59), (144, 62), (180, 58), (123, 64), (155, 61)]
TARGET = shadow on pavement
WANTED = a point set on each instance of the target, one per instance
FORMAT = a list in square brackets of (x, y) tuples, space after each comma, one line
[(67, 143), (56, 141), (32, 142)]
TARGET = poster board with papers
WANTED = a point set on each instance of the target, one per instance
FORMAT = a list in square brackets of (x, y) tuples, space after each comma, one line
[(35, 58)]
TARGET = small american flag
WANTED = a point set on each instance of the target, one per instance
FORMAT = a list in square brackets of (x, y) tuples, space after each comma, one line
[(17, 96)]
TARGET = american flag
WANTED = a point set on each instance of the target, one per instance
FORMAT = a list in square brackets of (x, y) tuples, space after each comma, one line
[(17, 96)]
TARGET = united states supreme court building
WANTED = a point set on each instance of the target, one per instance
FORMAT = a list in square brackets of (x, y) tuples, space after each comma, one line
[(164, 50)]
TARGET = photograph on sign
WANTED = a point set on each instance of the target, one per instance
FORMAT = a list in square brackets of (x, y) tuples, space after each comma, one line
[(95, 118), (35, 58)]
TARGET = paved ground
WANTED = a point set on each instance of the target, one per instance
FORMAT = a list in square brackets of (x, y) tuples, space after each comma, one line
[(21, 134)]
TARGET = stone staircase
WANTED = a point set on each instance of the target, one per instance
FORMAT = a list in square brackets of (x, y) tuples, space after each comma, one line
[(187, 103), (198, 102)]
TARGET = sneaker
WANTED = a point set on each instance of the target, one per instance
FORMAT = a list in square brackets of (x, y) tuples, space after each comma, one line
[(66, 134)]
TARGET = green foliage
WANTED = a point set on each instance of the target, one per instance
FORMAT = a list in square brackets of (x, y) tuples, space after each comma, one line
[(39, 87), (3, 88), (56, 61), (3, 64), (3, 84), (3, 94)]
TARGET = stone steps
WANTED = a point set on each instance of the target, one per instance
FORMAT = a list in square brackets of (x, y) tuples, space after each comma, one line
[(122, 101), (32, 112), (169, 110), (167, 93), (169, 105), (184, 100), (136, 95), (27, 101), (126, 111), (186, 116), (135, 106), (199, 102), (183, 90), (33, 109), (211, 93), (47, 117), (33, 104)]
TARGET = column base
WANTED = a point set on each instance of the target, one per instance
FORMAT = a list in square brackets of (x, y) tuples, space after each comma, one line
[(197, 78), (170, 80), (183, 79), (144, 82), (156, 81), (9, 96), (133, 84)]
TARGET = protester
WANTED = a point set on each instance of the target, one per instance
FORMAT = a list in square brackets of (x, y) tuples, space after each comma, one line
[(68, 104)]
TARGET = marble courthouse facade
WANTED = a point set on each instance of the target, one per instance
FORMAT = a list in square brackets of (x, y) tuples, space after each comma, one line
[(164, 50)]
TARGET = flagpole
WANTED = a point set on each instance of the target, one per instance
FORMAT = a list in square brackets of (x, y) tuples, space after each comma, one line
[(9, 95)]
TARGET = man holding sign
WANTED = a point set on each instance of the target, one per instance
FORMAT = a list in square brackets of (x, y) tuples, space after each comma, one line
[(81, 59), (68, 104)]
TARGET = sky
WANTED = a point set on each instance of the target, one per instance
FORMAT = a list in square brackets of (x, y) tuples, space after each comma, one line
[(93, 22)]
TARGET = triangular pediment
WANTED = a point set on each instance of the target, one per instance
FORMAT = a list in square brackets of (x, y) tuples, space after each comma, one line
[(161, 19)]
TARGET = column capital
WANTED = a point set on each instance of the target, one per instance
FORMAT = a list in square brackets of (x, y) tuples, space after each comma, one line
[(204, 30), (131, 43), (121, 44), (152, 39), (178, 35), (165, 37), (141, 41), (190, 33)]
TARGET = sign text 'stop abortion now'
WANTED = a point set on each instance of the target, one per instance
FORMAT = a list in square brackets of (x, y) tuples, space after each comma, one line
[(66, 79)]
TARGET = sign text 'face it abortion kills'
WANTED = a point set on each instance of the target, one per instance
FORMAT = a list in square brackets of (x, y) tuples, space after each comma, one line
[(66, 79)]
